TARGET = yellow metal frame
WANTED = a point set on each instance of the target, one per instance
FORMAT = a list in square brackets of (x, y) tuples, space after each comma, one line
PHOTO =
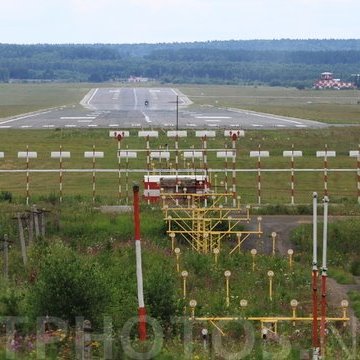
[(195, 217)]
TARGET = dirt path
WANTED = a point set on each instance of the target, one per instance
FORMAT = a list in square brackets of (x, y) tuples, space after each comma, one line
[(283, 225)]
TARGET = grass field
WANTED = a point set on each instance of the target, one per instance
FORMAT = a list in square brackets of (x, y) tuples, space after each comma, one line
[(317, 105)]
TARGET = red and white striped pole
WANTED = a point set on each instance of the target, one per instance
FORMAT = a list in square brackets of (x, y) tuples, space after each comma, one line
[(226, 174), (259, 177), (205, 168), (139, 275), (234, 138), (60, 175), (358, 175), (148, 166), (315, 335), (27, 175), (292, 177), (93, 176), (323, 280), (119, 137)]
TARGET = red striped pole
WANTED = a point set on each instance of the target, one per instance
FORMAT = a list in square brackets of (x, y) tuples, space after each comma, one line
[(148, 167), (139, 275), (60, 176), (358, 176), (323, 281), (259, 177), (292, 177), (315, 335), (93, 176), (226, 174), (234, 137), (27, 176), (177, 166), (119, 137), (205, 168)]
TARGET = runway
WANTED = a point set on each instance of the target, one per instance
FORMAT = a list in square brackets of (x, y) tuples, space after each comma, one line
[(126, 108)]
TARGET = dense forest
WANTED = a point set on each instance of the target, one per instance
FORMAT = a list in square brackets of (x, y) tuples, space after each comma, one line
[(273, 62)]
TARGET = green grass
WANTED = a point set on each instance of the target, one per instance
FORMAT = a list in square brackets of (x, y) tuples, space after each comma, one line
[(335, 107)]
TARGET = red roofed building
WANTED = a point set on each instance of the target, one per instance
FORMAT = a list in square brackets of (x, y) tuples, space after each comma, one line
[(327, 81)]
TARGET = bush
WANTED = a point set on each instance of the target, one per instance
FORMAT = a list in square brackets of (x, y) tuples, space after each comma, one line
[(66, 286), (6, 196)]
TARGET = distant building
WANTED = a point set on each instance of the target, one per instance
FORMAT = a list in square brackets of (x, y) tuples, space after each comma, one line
[(327, 81), (137, 79)]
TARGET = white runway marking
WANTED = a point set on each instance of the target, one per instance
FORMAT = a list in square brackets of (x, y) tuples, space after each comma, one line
[(84, 121), (92, 125), (24, 117), (78, 117), (213, 117), (301, 126), (147, 119), (257, 125), (114, 125), (26, 126), (48, 126), (70, 125), (5, 126), (212, 120)]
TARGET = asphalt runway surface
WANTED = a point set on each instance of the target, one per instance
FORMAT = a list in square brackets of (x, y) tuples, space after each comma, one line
[(146, 108)]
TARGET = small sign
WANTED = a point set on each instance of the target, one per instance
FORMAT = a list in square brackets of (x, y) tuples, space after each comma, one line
[(179, 133), (225, 154), (94, 154), (27, 154), (193, 154), (122, 133), (148, 133), (259, 154), (292, 153), (354, 153), (238, 133), (160, 155), (1, 154), (327, 153), (127, 154), (207, 133), (60, 154)]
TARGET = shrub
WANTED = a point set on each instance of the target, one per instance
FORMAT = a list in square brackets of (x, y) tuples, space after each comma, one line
[(66, 286)]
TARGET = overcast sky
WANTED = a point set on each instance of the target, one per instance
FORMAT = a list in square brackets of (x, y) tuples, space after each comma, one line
[(152, 21)]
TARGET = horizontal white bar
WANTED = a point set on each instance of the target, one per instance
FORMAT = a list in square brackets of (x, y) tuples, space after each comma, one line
[(207, 133), (60, 154), (238, 133), (193, 154), (225, 154), (148, 133), (127, 154), (27, 154), (259, 154), (122, 133), (354, 153), (160, 155), (326, 153), (292, 153), (179, 133), (93, 154)]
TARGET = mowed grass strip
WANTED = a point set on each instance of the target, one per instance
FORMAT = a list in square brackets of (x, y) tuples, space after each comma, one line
[(275, 186)]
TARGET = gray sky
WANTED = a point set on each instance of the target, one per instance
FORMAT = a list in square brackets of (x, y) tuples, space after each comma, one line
[(151, 21)]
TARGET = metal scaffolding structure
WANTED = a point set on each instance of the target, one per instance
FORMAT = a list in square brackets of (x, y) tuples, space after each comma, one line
[(204, 221)]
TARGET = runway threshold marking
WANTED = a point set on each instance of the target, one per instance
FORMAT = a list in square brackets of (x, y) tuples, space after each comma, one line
[(24, 117)]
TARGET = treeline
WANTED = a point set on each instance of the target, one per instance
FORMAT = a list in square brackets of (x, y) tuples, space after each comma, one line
[(274, 62)]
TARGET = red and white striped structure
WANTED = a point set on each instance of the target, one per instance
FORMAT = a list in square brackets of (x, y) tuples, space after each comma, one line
[(139, 275), (153, 184), (327, 81)]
